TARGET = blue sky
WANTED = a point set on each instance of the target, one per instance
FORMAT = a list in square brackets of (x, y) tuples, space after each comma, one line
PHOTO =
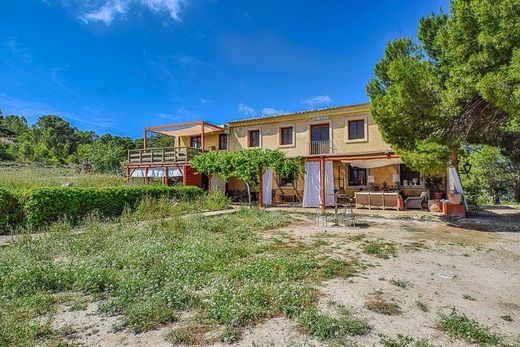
[(119, 65)]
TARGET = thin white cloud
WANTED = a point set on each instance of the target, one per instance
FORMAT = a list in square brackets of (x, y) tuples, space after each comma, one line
[(242, 13), (106, 13), (269, 111), (167, 116), (317, 100), (246, 110), (112, 8)]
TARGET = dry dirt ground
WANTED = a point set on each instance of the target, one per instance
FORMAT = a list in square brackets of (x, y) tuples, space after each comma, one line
[(471, 264)]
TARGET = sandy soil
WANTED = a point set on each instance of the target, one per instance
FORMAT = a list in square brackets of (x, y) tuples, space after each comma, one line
[(471, 264)]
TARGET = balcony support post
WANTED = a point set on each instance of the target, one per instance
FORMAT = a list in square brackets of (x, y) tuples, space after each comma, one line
[(260, 196), (165, 179), (322, 184), (144, 139), (202, 136)]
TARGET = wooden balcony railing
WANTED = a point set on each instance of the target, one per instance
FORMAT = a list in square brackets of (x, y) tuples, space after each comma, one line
[(320, 147), (161, 155)]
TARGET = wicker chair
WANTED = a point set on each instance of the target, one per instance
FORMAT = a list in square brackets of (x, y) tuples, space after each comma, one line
[(416, 201)]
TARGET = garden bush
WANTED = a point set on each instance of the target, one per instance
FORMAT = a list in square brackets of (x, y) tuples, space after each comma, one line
[(38, 207), (10, 212)]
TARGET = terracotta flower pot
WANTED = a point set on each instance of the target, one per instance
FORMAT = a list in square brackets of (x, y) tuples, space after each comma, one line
[(455, 199)]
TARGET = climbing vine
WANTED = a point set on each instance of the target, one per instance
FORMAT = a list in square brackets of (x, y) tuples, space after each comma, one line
[(248, 165)]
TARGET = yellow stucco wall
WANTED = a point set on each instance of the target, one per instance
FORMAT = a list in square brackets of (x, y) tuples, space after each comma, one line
[(336, 118), (209, 141)]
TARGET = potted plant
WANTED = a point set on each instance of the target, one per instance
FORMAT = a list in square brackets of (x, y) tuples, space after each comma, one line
[(433, 183)]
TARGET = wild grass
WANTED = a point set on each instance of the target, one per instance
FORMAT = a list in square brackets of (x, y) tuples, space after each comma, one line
[(380, 249), (460, 326), (422, 306), (380, 305), (150, 208), (357, 237), (468, 297), (402, 341), (220, 268), (400, 283), (326, 328), (31, 176), (191, 335)]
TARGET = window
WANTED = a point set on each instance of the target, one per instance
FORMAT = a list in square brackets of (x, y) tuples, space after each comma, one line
[(356, 129), (357, 176), (286, 136), (408, 176), (320, 139), (195, 142), (222, 142), (254, 138), (287, 182)]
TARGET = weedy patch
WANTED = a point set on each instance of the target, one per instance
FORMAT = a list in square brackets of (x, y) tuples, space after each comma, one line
[(380, 305), (192, 335), (458, 325), (468, 297), (325, 327), (221, 269), (402, 341), (416, 246), (357, 237), (79, 305), (380, 249), (422, 306), (332, 268), (400, 283)]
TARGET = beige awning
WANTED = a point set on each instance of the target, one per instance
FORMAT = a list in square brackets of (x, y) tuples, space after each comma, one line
[(185, 129), (372, 163)]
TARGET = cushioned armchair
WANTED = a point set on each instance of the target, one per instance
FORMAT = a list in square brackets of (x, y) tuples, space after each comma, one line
[(416, 201)]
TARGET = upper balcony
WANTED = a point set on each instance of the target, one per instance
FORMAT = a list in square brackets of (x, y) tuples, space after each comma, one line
[(166, 155), (188, 139)]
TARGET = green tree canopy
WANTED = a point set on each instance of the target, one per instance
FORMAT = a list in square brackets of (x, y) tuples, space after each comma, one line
[(492, 175), (460, 83)]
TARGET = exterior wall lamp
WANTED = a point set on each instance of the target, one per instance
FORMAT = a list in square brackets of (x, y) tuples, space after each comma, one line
[(467, 168)]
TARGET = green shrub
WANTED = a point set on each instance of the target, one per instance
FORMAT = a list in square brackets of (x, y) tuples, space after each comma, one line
[(10, 212), (39, 207), (216, 201)]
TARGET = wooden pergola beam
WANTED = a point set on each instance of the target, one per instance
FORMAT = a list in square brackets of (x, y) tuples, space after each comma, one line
[(160, 127)]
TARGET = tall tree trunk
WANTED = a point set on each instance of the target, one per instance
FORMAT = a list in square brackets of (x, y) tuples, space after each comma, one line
[(248, 194), (496, 197), (517, 190)]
